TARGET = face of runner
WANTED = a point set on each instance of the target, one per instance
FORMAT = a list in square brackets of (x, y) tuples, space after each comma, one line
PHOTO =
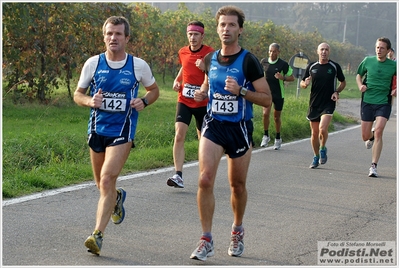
[(195, 39), (228, 29), (115, 39), (381, 50), (273, 53), (323, 51)]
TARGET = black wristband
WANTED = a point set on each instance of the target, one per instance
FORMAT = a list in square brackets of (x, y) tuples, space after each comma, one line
[(145, 101)]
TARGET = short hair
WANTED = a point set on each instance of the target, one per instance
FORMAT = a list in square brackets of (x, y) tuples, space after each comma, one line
[(231, 10), (386, 41), (275, 45), (324, 43), (197, 23), (117, 20)]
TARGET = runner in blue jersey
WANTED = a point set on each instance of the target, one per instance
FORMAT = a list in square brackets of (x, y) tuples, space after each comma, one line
[(113, 78), (234, 81)]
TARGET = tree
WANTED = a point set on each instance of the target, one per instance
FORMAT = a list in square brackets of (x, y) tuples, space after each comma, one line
[(46, 44)]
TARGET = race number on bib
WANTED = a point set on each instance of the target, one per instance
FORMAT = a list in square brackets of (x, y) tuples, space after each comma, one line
[(188, 90), (114, 102), (225, 104)]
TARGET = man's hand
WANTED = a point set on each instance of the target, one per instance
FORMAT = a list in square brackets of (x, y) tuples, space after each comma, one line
[(137, 104), (232, 86), (176, 86), (97, 99), (199, 95)]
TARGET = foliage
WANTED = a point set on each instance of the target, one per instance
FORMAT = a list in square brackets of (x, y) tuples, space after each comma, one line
[(358, 23), (45, 44)]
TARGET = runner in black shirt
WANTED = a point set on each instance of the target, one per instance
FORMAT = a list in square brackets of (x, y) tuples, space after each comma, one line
[(323, 75)]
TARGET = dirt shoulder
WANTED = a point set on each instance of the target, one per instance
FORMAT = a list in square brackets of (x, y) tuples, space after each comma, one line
[(351, 108)]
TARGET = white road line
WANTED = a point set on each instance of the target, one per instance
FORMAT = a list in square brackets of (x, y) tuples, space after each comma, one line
[(136, 175)]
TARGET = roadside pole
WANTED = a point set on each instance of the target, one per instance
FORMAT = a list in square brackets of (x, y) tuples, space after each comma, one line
[(298, 63)]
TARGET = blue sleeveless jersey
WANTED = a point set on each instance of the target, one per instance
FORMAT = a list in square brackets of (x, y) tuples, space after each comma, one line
[(222, 105), (115, 117)]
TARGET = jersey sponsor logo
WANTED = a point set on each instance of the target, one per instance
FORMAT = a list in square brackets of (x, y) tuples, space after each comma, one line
[(232, 70), (125, 81), (125, 72), (101, 80), (103, 71), (224, 97), (114, 95)]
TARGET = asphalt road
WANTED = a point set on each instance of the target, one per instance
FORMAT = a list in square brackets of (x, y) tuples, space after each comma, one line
[(290, 208)]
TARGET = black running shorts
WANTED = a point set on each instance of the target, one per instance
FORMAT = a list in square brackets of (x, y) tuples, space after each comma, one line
[(98, 143), (370, 111), (235, 138)]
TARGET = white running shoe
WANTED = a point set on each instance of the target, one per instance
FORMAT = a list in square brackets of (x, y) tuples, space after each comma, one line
[(265, 141), (373, 171), (175, 181), (236, 248), (369, 143), (204, 249), (277, 144)]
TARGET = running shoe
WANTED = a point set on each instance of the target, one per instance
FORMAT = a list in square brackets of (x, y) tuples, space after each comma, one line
[(119, 211), (236, 248), (323, 156), (265, 141), (94, 242), (315, 162), (277, 144), (373, 171), (175, 181), (369, 143), (204, 249)]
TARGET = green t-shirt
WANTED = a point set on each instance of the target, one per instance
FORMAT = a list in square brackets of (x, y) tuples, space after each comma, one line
[(379, 79)]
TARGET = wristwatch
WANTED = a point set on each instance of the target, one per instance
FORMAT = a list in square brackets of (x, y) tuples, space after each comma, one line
[(243, 91), (145, 101)]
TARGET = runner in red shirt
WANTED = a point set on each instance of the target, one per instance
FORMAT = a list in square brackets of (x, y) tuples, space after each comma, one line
[(189, 79)]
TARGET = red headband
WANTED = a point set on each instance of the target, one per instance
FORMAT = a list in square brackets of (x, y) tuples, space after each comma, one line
[(195, 28)]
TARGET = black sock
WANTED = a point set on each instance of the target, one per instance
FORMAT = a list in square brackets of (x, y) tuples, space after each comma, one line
[(179, 173), (278, 135), (266, 132), (374, 165), (372, 138)]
